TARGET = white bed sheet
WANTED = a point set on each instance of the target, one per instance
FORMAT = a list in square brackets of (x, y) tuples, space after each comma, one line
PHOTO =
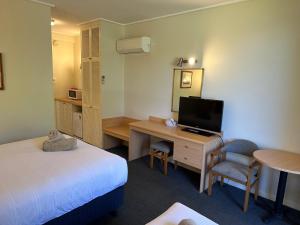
[(37, 186), (177, 212)]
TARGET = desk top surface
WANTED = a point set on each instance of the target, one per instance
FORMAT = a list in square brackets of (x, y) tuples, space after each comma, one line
[(122, 131), (279, 160), (172, 132)]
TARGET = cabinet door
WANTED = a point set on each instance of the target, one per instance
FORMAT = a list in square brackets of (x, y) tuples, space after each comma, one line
[(95, 42), (86, 83), (95, 84), (85, 43), (59, 112), (91, 126), (64, 117), (68, 118)]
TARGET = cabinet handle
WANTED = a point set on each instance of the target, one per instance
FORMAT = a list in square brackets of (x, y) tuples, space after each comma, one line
[(186, 146), (185, 158)]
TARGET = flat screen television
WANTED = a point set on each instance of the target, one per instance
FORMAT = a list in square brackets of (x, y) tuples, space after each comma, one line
[(201, 114)]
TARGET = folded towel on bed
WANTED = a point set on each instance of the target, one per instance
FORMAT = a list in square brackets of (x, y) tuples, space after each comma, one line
[(55, 135), (58, 142), (187, 222)]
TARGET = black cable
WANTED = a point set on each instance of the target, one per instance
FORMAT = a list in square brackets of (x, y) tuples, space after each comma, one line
[(221, 139)]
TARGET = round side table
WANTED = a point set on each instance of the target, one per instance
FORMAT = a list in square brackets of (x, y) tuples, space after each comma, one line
[(285, 162)]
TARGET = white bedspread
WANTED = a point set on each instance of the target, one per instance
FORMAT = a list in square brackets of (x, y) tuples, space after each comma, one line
[(177, 212), (37, 186)]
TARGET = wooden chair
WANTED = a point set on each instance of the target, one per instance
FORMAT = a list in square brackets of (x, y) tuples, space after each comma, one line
[(235, 162), (160, 150)]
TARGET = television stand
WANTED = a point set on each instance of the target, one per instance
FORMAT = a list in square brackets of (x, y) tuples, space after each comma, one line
[(199, 132)]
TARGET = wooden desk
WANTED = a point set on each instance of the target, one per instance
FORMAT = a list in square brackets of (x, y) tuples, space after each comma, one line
[(285, 162), (116, 131), (190, 150), (120, 132)]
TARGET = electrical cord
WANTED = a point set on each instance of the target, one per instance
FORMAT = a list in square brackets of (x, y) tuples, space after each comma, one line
[(222, 141)]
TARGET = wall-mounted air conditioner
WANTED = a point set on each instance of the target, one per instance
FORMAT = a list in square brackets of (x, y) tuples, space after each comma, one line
[(134, 45)]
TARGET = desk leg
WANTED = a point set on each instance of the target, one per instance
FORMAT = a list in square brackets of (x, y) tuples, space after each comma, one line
[(139, 144)]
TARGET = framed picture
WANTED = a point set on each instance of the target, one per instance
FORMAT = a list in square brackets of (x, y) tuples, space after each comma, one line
[(1, 74), (186, 79)]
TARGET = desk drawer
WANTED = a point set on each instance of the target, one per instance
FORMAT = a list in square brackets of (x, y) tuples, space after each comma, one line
[(188, 153)]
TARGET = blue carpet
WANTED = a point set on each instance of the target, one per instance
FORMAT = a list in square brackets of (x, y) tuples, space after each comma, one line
[(149, 193)]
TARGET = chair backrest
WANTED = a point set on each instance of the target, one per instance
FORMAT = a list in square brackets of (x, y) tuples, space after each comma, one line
[(240, 146)]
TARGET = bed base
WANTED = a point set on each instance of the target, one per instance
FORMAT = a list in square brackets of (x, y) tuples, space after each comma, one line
[(93, 210)]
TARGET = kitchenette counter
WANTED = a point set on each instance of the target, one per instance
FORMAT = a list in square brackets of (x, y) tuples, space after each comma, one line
[(71, 101)]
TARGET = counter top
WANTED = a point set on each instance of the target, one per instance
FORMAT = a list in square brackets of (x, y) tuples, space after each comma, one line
[(71, 101)]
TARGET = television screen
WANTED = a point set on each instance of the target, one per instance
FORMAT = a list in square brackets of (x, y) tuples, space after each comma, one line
[(201, 113)]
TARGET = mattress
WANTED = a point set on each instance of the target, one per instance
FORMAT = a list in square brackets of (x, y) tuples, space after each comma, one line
[(37, 186), (178, 212)]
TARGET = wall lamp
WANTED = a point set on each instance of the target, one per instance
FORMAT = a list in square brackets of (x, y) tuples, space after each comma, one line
[(190, 61)]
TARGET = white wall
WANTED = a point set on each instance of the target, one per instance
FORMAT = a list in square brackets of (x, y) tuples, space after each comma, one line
[(26, 104), (250, 52), (77, 62), (194, 90), (112, 67), (64, 59)]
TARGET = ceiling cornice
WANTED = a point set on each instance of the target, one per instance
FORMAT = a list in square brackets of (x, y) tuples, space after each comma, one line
[(43, 3), (150, 19), (168, 15), (186, 12), (99, 19)]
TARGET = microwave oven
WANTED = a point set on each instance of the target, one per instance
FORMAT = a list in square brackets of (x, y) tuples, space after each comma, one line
[(75, 94)]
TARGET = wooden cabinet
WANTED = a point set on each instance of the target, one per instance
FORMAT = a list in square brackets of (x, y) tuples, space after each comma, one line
[(90, 41), (188, 153), (91, 86), (91, 83), (91, 126), (64, 117)]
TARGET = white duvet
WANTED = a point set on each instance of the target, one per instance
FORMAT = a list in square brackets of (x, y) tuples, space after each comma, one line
[(37, 186), (178, 212)]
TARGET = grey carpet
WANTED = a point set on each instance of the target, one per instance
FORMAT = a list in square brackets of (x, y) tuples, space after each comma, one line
[(149, 193)]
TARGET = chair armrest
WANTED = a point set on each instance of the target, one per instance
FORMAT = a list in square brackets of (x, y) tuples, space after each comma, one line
[(216, 152), (215, 157), (254, 163)]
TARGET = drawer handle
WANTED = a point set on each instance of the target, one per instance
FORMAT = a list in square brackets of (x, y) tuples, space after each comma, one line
[(185, 158), (186, 146)]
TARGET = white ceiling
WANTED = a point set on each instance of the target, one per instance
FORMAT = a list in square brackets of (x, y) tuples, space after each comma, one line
[(68, 13)]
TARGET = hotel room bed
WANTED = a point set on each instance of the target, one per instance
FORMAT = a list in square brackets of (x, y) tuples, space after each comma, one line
[(36, 187)]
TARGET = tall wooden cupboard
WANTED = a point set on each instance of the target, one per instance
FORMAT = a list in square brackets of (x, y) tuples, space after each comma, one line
[(91, 86)]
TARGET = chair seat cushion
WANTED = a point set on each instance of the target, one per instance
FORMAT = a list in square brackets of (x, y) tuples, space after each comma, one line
[(163, 146), (233, 170), (238, 158)]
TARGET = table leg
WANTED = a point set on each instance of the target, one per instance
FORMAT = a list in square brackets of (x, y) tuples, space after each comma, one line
[(280, 193), (278, 206)]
